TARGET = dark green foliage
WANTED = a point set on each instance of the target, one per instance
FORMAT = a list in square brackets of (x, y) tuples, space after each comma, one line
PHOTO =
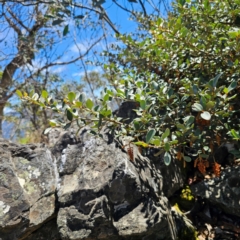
[(184, 77)]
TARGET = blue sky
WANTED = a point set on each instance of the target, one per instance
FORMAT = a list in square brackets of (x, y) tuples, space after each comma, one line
[(75, 43), (82, 40)]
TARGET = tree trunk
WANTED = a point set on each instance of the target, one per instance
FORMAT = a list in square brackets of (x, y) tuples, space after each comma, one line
[(24, 55), (1, 120)]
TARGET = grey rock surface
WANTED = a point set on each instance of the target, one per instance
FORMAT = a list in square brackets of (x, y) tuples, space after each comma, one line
[(85, 189), (89, 188), (223, 191), (27, 189)]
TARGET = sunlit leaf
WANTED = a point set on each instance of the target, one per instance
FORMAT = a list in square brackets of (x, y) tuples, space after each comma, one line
[(206, 115), (44, 94), (53, 123), (89, 103), (71, 96), (165, 134), (106, 97), (234, 134), (35, 96), (47, 130), (210, 105), (140, 143), (197, 107), (78, 104), (19, 93), (156, 142)]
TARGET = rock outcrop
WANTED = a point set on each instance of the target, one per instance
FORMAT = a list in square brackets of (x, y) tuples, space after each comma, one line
[(88, 188)]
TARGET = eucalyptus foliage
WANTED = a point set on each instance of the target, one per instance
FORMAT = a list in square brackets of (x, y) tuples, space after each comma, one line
[(184, 77)]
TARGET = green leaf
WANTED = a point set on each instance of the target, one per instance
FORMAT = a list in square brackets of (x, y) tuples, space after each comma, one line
[(188, 120), (89, 103), (151, 133), (140, 143), (225, 90), (69, 115), (143, 104), (98, 3), (44, 94), (165, 134), (78, 104), (167, 158), (206, 115), (233, 34), (65, 30), (210, 105), (106, 112), (232, 86), (78, 17), (136, 125), (71, 96), (180, 126), (215, 80), (31, 93), (195, 89), (187, 159), (167, 146), (197, 107), (156, 142), (82, 97), (155, 85), (57, 22), (66, 126), (182, 2), (203, 102), (106, 97), (173, 142), (234, 134), (19, 93), (53, 123)]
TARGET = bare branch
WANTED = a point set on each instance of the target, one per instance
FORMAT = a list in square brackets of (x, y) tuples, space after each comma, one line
[(17, 19), (101, 13), (13, 25), (143, 8), (67, 62), (123, 8), (27, 3)]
